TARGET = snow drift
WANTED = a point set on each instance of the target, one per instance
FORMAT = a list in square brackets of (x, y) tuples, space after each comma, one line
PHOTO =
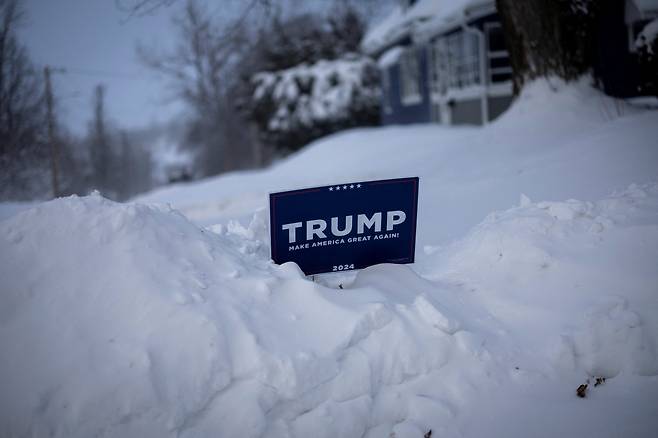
[(535, 272), (127, 320)]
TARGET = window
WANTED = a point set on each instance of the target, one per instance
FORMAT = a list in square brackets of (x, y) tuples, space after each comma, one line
[(456, 62), (456, 58), (453, 49), (500, 69), (468, 64), (495, 37), (440, 67), (409, 77)]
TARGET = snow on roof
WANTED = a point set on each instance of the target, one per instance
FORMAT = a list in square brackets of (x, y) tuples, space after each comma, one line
[(452, 15), (390, 57), (401, 23), (387, 31)]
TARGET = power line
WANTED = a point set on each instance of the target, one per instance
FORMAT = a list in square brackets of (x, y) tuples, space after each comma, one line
[(104, 73)]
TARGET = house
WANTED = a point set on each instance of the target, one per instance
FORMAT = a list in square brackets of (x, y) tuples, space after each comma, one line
[(445, 61), (442, 61)]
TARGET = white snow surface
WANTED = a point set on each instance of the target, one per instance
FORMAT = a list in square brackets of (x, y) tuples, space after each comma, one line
[(390, 57), (536, 270)]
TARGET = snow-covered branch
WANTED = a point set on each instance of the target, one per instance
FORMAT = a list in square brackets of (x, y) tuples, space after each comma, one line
[(339, 92)]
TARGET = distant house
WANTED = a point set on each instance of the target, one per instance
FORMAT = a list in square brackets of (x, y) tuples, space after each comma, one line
[(445, 61)]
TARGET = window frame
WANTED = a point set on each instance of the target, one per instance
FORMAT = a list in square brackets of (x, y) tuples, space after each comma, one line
[(455, 63), (410, 88), (496, 55)]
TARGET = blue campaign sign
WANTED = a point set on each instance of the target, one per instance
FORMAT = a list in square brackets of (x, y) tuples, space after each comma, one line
[(345, 226)]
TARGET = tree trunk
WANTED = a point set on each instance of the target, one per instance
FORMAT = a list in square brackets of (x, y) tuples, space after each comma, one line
[(549, 37)]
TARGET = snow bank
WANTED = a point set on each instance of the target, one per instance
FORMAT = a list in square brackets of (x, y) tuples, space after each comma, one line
[(555, 266), (552, 101), (93, 292), (131, 320), (572, 286), (8, 209), (127, 320), (558, 141)]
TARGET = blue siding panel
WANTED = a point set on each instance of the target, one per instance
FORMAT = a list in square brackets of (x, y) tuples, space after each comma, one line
[(405, 114)]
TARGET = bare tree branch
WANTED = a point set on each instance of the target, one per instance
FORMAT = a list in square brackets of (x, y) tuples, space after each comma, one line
[(21, 110), (197, 67), (141, 7)]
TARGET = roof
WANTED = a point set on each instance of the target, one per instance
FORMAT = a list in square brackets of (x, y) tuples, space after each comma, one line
[(387, 32), (423, 15), (458, 12)]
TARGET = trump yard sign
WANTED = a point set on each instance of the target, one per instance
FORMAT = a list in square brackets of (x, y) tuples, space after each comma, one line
[(345, 226)]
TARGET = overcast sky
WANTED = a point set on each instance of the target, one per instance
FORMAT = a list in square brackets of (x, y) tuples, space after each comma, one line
[(96, 43)]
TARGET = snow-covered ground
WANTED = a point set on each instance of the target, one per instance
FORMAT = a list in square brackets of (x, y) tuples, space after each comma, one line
[(536, 271)]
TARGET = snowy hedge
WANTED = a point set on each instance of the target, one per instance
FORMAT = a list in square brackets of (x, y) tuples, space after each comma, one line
[(300, 104)]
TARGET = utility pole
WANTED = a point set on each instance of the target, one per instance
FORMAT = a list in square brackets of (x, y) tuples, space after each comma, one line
[(126, 166), (54, 146), (100, 146)]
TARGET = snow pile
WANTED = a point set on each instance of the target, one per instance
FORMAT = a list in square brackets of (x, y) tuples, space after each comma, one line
[(552, 101), (550, 266), (558, 141), (572, 286), (94, 294), (130, 320), (325, 92), (127, 320)]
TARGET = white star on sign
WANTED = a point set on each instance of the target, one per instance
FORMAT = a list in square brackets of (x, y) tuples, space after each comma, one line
[(358, 186), (351, 186), (331, 189), (337, 187), (344, 187)]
